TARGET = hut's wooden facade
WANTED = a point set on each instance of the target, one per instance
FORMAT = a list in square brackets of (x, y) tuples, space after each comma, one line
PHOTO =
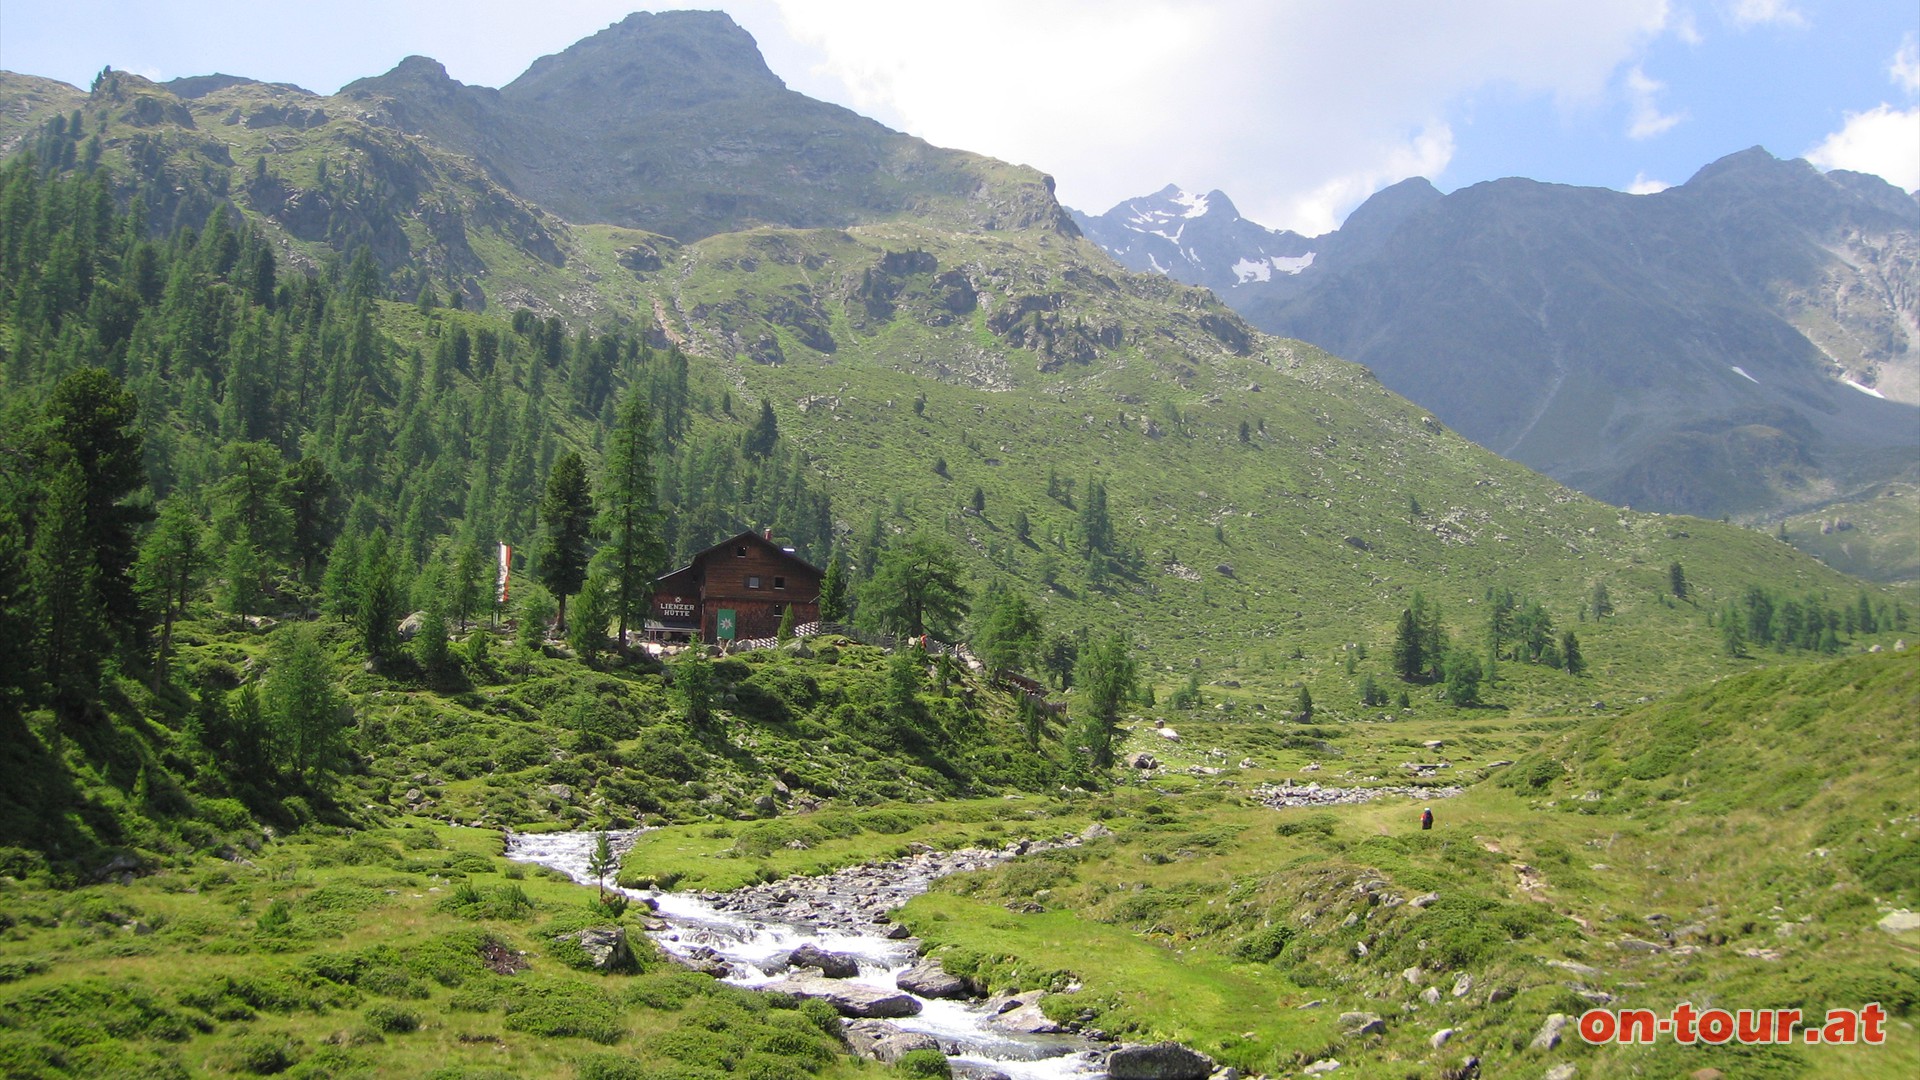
[(747, 581)]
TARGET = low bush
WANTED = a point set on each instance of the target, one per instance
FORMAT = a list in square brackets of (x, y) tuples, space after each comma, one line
[(390, 1018), (561, 1007), (927, 1064)]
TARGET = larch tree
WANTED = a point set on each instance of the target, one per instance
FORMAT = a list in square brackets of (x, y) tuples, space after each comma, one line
[(915, 589), (1105, 680), (628, 518), (303, 709)]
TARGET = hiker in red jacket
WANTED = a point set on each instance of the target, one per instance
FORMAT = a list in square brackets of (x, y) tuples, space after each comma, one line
[(1426, 818)]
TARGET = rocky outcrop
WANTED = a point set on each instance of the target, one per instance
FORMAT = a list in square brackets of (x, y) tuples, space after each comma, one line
[(1159, 1061), (1287, 794)]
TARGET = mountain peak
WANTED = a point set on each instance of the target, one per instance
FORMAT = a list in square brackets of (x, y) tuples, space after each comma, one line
[(1753, 161), (650, 62), (412, 73)]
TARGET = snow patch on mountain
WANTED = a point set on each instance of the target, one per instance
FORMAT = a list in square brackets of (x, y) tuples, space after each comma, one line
[(1263, 268), (1865, 389)]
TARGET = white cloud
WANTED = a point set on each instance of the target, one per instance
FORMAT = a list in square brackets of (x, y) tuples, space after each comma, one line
[(1905, 71), (1425, 152), (1298, 110), (1686, 28), (1767, 12), (1884, 141), (1646, 185), (1648, 121)]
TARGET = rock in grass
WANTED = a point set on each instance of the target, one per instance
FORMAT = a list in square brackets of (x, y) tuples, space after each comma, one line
[(1549, 1034), (851, 999), (1159, 1061), (1362, 1023), (1900, 921), (606, 946)]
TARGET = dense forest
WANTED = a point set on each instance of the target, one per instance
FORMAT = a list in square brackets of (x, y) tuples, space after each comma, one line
[(193, 427)]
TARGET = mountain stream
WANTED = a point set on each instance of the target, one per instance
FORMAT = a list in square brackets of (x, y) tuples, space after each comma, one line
[(753, 930)]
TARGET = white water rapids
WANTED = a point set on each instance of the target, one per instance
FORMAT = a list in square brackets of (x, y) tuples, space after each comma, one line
[(751, 941)]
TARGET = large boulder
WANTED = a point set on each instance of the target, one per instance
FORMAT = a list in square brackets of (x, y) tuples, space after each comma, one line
[(929, 980), (832, 965), (881, 1041), (1159, 1061), (850, 998), (606, 946)]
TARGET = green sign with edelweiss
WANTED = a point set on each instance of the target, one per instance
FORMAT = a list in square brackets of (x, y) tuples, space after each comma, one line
[(723, 623)]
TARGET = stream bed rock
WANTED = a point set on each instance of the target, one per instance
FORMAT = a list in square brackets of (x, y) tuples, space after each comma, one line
[(853, 999)]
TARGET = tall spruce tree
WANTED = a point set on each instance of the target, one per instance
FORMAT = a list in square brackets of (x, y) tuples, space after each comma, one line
[(833, 590), (566, 511), (93, 421), (72, 634)]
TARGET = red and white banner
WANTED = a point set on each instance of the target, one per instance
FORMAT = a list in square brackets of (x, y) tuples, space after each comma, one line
[(506, 564)]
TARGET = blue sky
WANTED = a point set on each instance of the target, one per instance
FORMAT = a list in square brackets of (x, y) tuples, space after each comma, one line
[(1298, 109)]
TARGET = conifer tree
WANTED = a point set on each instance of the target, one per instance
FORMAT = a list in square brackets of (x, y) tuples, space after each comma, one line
[(765, 432), (72, 635), (833, 590), (1462, 674), (312, 499), (93, 421), (566, 511), (1409, 658), (1009, 635), (916, 589), (601, 863), (1570, 657), (634, 549), (588, 632), (1106, 677), (377, 612), (302, 707), (170, 561)]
